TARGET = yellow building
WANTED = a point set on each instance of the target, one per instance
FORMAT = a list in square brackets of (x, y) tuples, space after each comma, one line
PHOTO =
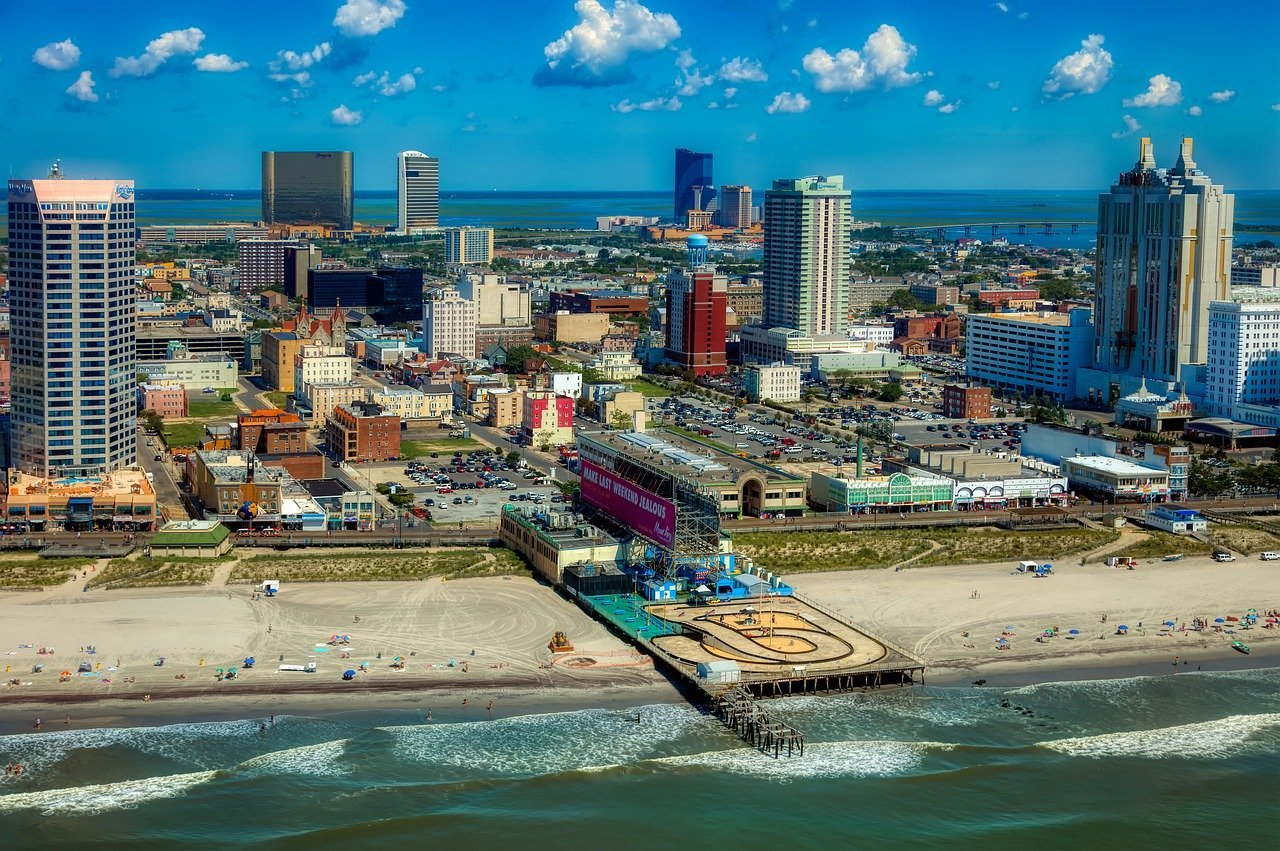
[(279, 352)]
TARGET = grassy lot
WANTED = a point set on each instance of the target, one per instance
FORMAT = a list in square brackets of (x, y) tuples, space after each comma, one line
[(723, 447), (210, 406), (798, 551), (387, 566), (186, 434), (810, 552), (154, 572), (447, 446), (1164, 544), (277, 398), (27, 572), (648, 388), (1244, 539), (959, 545)]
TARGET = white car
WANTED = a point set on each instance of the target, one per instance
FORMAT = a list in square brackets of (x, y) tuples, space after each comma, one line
[(1269, 556)]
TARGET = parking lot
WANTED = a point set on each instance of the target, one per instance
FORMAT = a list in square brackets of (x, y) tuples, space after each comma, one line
[(459, 489)]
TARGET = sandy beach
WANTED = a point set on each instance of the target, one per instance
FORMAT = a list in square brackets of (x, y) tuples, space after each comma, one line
[(934, 613), (950, 616)]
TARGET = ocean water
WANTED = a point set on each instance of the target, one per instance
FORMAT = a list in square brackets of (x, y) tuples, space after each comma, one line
[(579, 209), (1128, 763)]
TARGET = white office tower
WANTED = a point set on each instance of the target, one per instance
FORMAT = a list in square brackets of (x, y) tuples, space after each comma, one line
[(1164, 253), (417, 192), (806, 255), (1242, 377), (72, 304)]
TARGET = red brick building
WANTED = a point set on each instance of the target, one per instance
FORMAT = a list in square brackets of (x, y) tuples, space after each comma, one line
[(362, 432), (966, 403), (271, 431), (612, 302), (697, 300), (1016, 298)]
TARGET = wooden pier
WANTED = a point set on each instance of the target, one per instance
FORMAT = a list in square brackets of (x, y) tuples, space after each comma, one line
[(740, 712)]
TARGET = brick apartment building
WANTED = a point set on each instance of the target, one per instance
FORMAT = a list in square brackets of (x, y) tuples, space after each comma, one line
[(361, 431), (964, 403)]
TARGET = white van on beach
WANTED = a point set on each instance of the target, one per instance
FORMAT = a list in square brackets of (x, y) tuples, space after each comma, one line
[(1269, 556)]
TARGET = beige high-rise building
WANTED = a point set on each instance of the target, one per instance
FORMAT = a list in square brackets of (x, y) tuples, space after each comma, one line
[(806, 255), (448, 324), (498, 301), (735, 207)]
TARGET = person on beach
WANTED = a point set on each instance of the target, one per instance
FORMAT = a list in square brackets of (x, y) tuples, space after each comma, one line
[(465, 701), (39, 725)]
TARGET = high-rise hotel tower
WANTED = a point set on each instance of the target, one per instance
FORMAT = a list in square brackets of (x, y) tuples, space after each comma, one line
[(806, 255), (417, 192), (72, 306)]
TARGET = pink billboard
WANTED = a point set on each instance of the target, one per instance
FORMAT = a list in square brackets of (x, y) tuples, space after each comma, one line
[(648, 514)]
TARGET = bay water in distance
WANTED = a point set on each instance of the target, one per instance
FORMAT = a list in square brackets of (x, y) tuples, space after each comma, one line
[(1179, 760), (578, 210)]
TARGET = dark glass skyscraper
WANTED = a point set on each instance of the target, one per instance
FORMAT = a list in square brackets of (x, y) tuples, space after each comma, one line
[(308, 187), (695, 188)]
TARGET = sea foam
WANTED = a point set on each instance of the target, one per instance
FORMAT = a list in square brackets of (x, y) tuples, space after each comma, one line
[(93, 800), (312, 760), (1225, 737), (820, 760)]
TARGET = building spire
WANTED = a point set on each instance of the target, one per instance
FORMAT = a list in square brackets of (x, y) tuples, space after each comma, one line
[(1146, 154), (1185, 163)]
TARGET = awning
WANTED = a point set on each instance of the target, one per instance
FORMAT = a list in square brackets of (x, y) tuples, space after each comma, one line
[(123, 518), (77, 501)]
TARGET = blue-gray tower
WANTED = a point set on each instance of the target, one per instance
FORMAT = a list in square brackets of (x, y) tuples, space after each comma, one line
[(697, 246), (695, 187)]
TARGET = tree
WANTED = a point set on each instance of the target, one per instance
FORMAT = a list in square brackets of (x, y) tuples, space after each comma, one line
[(154, 422), (890, 392), (620, 420), (512, 459), (1056, 289), (401, 499), (905, 300)]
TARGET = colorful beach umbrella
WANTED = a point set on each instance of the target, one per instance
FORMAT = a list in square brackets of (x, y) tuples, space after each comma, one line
[(1219, 620), (1168, 623), (1073, 632), (1123, 626)]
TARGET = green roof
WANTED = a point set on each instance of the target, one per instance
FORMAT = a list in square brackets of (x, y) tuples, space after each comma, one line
[(191, 537)]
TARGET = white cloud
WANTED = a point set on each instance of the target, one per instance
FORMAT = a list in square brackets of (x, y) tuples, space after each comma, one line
[(287, 59), (933, 97), (594, 51), (439, 87), (730, 91), (713, 105), (655, 105), (57, 56), (402, 84), (1003, 7), (993, 84), (740, 69), (691, 79), (367, 77), (159, 50), (1083, 72), (302, 78), (343, 117), (1222, 96), (751, 137), (368, 17), (82, 88), (1195, 111), (1275, 107), (1162, 90), (218, 63), (1131, 126), (948, 108), (882, 61), (788, 102)]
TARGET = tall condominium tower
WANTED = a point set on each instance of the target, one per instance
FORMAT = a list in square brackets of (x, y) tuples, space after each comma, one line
[(417, 192), (71, 295), (806, 255), (1164, 253), (695, 189), (308, 187), (468, 245), (735, 207)]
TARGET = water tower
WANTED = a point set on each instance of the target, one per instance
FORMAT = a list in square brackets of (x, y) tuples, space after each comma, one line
[(697, 246)]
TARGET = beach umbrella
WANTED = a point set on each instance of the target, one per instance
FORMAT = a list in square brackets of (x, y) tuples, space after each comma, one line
[(1219, 620), (349, 674), (1001, 641), (1009, 627), (1073, 632), (1168, 623), (1123, 626)]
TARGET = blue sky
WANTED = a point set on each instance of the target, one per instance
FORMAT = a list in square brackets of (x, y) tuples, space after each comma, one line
[(553, 94)]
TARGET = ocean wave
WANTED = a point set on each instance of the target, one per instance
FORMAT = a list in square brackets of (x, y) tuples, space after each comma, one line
[(1209, 739), (820, 760), (312, 760), (92, 800), (535, 745), (963, 710)]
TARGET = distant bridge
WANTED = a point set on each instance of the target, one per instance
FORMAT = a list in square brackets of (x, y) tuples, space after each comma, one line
[(1020, 228)]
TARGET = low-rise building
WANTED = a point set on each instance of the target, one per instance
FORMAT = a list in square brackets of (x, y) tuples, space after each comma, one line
[(192, 371), (362, 431), (1032, 353), (966, 402), (567, 384), (1115, 479), (552, 541), (547, 418), (565, 327), (191, 539), (323, 398), (431, 402), (271, 431), (235, 487), (121, 501), (616, 366), (620, 407), (167, 400), (506, 408), (774, 383), (895, 492), (1179, 521)]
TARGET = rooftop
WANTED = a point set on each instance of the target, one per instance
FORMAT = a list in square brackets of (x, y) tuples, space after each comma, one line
[(1056, 319), (695, 459), (190, 533), (1116, 466), (233, 466), (119, 483), (563, 528)]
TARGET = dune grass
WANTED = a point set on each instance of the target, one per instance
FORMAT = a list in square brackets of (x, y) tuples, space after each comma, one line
[(1159, 544), (154, 572), (25, 571), (386, 566)]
